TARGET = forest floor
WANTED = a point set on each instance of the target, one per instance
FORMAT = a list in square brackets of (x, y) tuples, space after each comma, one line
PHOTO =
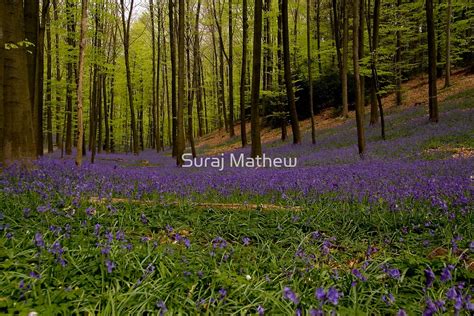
[(390, 235)]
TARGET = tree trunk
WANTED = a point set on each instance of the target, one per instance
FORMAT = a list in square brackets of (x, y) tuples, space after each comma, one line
[(447, 81), (153, 82), (359, 104), (256, 150), (433, 93), (2, 78), (318, 35), (49, 77), (376, 99), (126, 47), (71, 43), (173, 76), (231, 74), (243, 130), (58, 128), (362, 47), (181, 81), (288, 80), (282, 108), (398, 59), (196, 71), (80, 81), (18, 138), (32, 28), (310, 81), (345, 53)]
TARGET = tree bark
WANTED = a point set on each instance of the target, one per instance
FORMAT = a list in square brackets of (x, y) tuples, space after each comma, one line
[(256, 150), (359, 104), (282, 108), (173, 76), (310, 80), (126, 47), (447, 81), (49, 77), (80, 82), (71, 43), (345, 53), (181, 82), (398, 59), (243, 130), (18, 139), (231, 74), (432, 76), (58, 128), (288, 77)]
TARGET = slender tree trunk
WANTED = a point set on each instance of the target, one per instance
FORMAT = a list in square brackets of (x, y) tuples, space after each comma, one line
[(310, 80), (80, 81), (432, 76), (58, 128), (257, 54), (447, 81), (243, 130), (126, 47), (153, 83), (158, 126), (49, 76), (398, 59), (373, 41), (359, 104), (190, 84), (231, 74), (345, 53), (376, 100), (318, 35), (282, 108), (288, 80), (196, 70), (362, 47), (173, 77), (71, 43), (181, 82)]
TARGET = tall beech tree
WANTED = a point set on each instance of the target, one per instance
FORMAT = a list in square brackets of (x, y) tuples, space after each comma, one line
[(17, 135), (290, 94), (181, 82), (432, 71), (126, 48), (359, 105), (243, 73), (80, 82), (256, 149), (310, 81)]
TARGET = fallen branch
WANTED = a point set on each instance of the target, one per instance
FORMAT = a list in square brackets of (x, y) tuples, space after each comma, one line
[(219, 206)]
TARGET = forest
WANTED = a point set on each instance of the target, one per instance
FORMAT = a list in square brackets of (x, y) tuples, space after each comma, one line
[(307, 157)]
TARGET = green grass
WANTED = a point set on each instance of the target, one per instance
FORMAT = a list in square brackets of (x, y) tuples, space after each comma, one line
[(270, 259)]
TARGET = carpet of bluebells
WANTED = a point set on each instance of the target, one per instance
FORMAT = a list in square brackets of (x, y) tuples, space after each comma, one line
[(392, 234)]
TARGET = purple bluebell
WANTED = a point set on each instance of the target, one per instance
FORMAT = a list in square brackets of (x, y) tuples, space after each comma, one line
[(260, 310), (333, 296), (290, 295), (429, 277), (110, 265)]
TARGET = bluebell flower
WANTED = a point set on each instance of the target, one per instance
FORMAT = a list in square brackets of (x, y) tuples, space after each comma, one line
[(110, 265), (290, 295), (260, 310), (429, 277)]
